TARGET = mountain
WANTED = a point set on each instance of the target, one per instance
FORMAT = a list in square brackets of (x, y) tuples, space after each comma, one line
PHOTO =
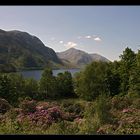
[(77, 58), (25, 51)]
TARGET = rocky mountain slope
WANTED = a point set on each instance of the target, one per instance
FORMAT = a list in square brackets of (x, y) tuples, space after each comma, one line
[(77, 58), (24, 50)]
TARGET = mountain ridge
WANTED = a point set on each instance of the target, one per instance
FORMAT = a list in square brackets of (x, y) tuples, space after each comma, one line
[(25, 50), (79, 58)]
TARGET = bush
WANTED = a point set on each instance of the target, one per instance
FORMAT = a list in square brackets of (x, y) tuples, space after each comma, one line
[(75, 108), (91, 83), (121, 102), (136, 103), (63, 128), (28, 106), (102, 108), (4, 106)]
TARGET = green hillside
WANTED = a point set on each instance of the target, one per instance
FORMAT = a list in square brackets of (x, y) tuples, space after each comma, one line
[(25, 51)]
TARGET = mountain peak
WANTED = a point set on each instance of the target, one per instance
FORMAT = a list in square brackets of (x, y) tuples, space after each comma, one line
[(2, 31), (72, 49), (79, 58)]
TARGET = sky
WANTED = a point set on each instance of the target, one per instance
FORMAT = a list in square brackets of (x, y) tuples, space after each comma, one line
[(105, 30)]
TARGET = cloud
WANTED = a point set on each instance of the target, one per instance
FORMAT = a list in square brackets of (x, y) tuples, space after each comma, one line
[(88, 36), (61, 42), (70, 45), (97, 39)]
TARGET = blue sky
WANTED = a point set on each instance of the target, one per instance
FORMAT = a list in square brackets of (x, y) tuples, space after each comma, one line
[(106, 30)]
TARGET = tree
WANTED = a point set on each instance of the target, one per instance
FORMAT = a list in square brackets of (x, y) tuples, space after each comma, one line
[(128, 59), (17, 87), (112, 80), (92, 81), (31, 88), (5, 87), (47, 84), (128, 62), (138, 59), (65, 84), (134, 79)]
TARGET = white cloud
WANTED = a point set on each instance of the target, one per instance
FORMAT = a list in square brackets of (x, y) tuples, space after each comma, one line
[(94, 37), (61, 42), (88, 36), (70, 45), (97, 39)]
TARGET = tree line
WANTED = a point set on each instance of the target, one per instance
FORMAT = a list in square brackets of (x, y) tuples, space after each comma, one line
[(114, 78)]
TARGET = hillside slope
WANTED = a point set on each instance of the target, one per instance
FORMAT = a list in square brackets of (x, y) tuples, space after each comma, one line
[(78, 58), (24, 50)]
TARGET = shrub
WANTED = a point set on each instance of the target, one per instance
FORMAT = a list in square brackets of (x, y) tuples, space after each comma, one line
[(73, 108), (136, 103), (42, 118), (43, 106), (28, 106), (121, 102), (102, 107), (63, 128), (4, 106)]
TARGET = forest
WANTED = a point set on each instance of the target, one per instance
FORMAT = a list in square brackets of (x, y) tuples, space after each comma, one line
[(103, 98)]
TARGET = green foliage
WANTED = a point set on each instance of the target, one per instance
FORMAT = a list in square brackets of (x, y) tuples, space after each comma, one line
[(6, 68), (92, 82), (96, 115), (114, 87), (65, 84), (134, 81), (102, 107), (22, 50), (72, 107), (112, 80), (28, 106), (18, 84), (48, 84), (28, 61), (128, 59), (14, 86), (120, 102), (128, 62), (63, 128), (138, 59), (31, 88), (4, 106), (56, 87), (5, 86), (119, 77), (97, 119)]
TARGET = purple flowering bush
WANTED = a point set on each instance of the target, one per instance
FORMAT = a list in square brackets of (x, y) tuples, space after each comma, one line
[(28, 106), (42, 117), (43, 114)]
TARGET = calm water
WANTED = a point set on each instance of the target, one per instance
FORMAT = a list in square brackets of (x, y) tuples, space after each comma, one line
[(36, 74)]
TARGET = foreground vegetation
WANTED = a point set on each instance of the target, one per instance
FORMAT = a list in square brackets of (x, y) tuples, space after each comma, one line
[(102, 99)]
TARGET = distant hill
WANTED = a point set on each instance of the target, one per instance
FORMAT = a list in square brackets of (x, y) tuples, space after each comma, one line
[(25, 51), (77, 58)]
